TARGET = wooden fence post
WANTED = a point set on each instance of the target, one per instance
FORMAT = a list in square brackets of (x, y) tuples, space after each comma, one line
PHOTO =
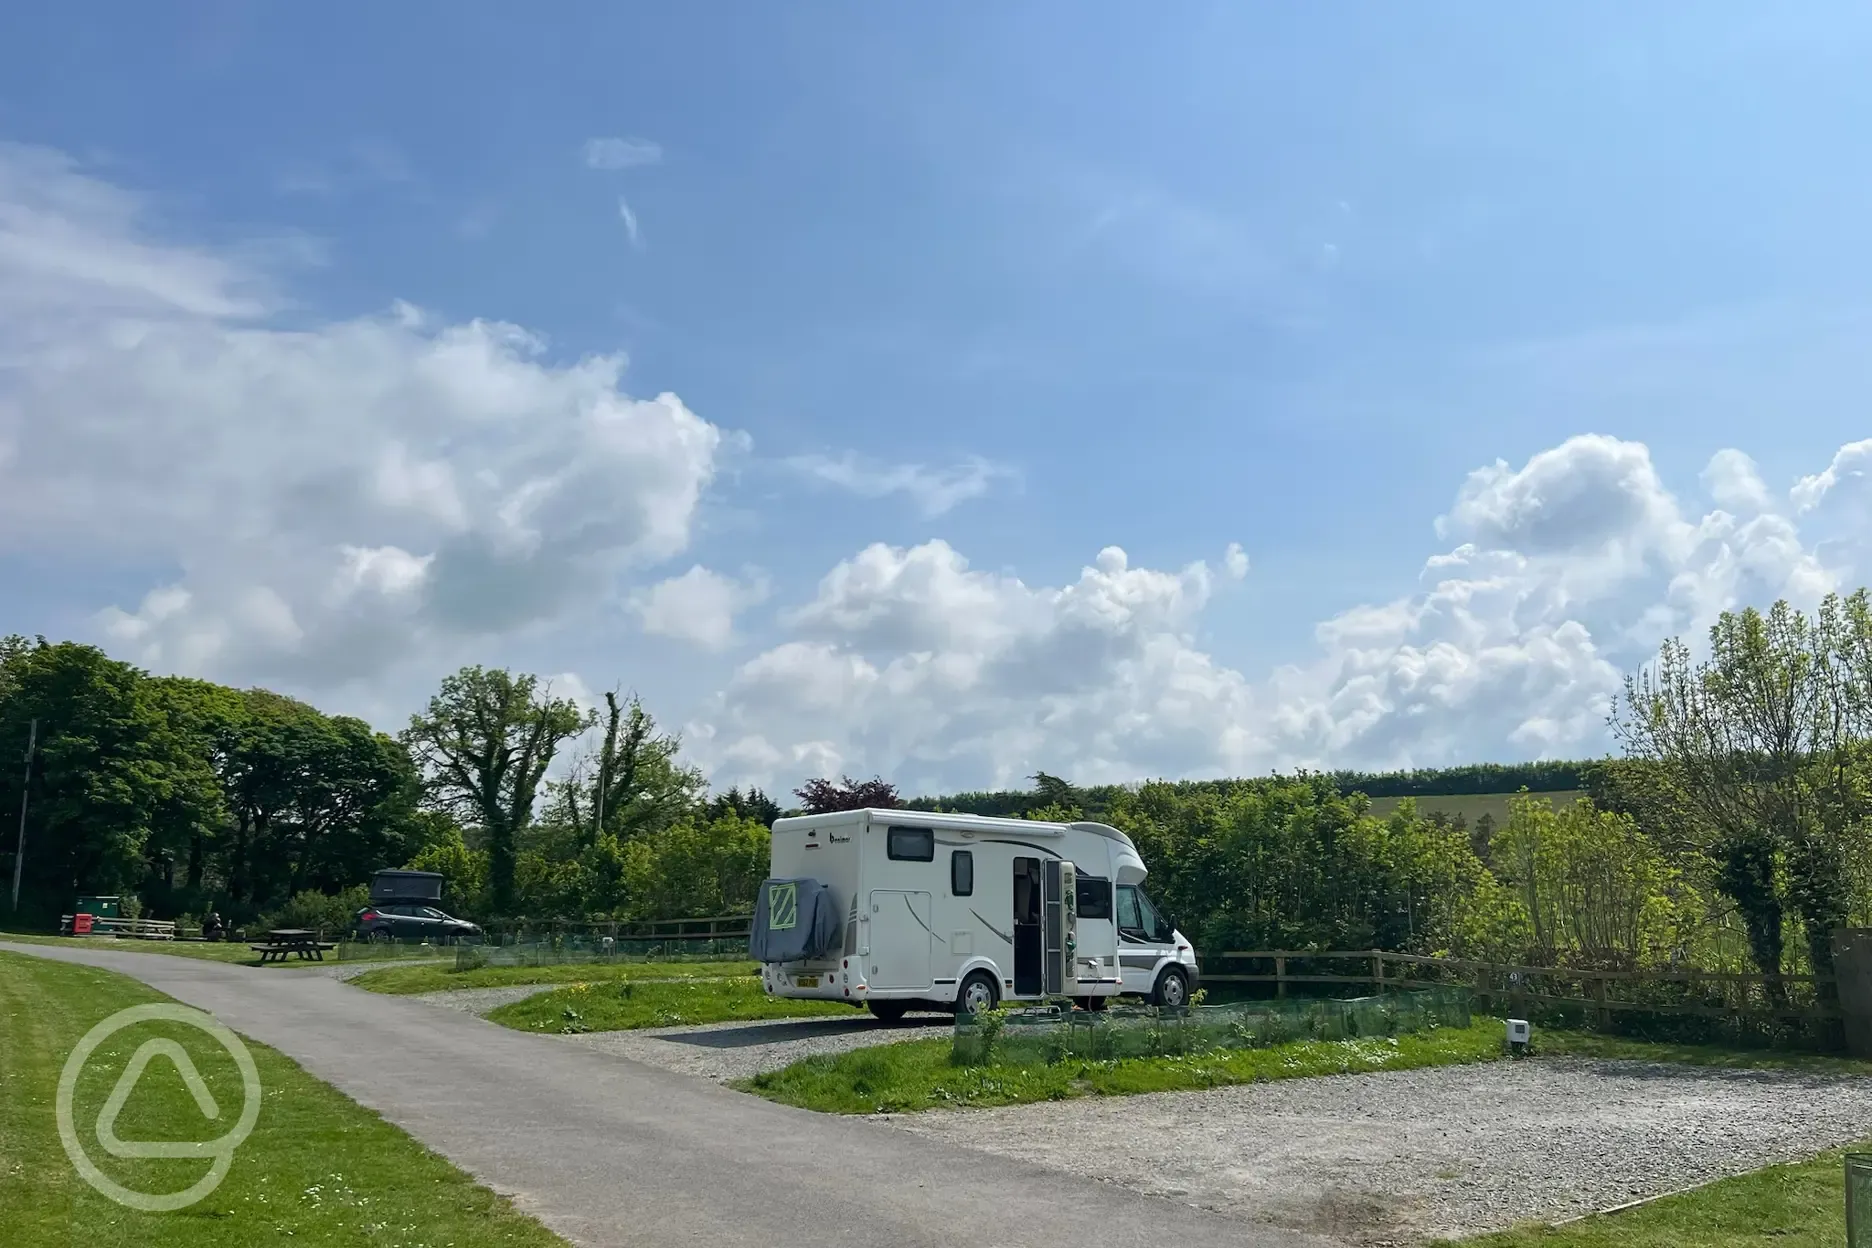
[(1280, 977), (1604, 1015), (1377, 970)]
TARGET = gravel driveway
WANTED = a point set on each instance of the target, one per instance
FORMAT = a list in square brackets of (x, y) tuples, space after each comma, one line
[(1447, 1151)]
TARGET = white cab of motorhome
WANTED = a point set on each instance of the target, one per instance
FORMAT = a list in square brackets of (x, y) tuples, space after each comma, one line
[(961, 912)]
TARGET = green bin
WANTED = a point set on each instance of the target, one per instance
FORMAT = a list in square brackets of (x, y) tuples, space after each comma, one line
[(99, 907), (1859, 1200)]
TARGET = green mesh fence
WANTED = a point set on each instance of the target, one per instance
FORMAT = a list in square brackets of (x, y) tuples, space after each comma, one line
[(1046, 1035), (577, 949), (1859, 1200)]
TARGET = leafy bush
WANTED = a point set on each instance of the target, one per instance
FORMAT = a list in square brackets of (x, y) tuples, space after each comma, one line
[(315, 910)]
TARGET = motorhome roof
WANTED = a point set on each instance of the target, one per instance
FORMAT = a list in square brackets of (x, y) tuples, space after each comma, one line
[(932, 819)]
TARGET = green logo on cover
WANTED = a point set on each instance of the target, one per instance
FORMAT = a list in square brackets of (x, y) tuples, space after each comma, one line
[(782, 906)]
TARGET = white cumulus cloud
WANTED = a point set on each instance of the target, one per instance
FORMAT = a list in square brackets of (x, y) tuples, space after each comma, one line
[(933, 491), (1565, 572), (333, 499), (699, 606)]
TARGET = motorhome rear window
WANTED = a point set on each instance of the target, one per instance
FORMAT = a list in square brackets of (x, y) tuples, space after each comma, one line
[(911, 844), (1095, 897), (961, 872)]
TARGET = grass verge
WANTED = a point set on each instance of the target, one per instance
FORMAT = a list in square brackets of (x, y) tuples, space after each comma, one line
[(1801, 1205), (622, 1007), (237, 952), (317, 1170), (405, 980), (918, 1074), (209, 951)]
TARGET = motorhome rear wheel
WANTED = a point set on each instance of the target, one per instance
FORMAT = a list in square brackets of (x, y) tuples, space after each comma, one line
[(890, 1011), (978, 993)]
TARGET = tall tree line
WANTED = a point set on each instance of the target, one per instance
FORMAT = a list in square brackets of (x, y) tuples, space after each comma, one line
[(1735, 832), (183, 794)]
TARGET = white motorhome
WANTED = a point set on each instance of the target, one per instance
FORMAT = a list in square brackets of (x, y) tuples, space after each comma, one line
[(960, 912)]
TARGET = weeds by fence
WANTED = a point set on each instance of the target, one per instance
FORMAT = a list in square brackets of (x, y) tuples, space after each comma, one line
[(1046, 1035), (565, 950), (1682, 1004), (716, 936)]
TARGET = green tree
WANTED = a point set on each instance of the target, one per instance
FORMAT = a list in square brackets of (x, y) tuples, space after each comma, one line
[(753, 804), (1762, 746), (109, 767), (692, 869), (464, 872), (208, 718), (1594, 887), (484, 744), (633, 783)]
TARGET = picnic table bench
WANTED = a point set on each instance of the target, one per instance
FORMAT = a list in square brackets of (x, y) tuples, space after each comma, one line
[(282, 943), (105, 925)]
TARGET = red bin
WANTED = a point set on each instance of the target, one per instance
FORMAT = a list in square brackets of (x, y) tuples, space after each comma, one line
[(81, 925)]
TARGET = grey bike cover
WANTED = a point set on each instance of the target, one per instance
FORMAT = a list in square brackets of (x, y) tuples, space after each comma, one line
[(793, 920)]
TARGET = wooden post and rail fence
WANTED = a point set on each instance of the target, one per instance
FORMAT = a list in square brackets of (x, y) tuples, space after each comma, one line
[(1597, 993), (680, 931)]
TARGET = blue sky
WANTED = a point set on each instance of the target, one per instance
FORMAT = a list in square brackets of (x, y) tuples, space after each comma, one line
[(1028, 283)]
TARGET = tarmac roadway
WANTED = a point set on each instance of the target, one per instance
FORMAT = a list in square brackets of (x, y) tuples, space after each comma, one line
[(610, 1152)]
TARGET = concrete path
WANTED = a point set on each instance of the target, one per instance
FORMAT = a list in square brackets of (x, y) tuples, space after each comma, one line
[(610, 1152)]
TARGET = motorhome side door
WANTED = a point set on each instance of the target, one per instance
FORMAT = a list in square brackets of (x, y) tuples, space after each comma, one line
[(1061, 932), (1029, 911), (900, 939)]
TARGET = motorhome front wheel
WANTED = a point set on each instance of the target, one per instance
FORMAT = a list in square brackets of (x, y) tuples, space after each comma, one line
[(1172, 989)]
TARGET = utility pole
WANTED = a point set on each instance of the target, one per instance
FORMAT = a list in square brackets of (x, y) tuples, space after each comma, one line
[(19, 847)]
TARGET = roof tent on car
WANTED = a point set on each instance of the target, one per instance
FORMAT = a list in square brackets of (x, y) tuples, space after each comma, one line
[(424, 887)]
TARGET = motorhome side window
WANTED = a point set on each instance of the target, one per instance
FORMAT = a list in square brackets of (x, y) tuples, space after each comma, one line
[(1095, 897), (911, 844), (1137, 916), (962, 872)]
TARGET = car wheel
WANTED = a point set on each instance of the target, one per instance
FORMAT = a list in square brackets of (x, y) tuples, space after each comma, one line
[(1172, 989), (977, 993), (378, 936)]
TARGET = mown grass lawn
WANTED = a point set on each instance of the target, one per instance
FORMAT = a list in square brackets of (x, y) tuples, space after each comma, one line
[(212, 951), (613, 1006), (317, 1170), (235, 951), (1802, 1205), (441, 977), (919, 1074)]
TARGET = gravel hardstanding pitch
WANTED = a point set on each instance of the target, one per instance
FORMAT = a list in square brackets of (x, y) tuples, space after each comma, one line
[(483, 1000), (1446, 1151), (729, 1051)]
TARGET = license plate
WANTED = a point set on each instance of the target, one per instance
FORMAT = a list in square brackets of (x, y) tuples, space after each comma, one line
[(806, 981)]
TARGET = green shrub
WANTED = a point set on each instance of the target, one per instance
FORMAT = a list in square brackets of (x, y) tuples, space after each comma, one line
[(316, 910)]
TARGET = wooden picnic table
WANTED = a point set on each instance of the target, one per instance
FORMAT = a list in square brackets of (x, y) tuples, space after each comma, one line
[(283, 942)]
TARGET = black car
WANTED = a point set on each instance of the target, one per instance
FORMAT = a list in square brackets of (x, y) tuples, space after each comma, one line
[(410, 921)]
